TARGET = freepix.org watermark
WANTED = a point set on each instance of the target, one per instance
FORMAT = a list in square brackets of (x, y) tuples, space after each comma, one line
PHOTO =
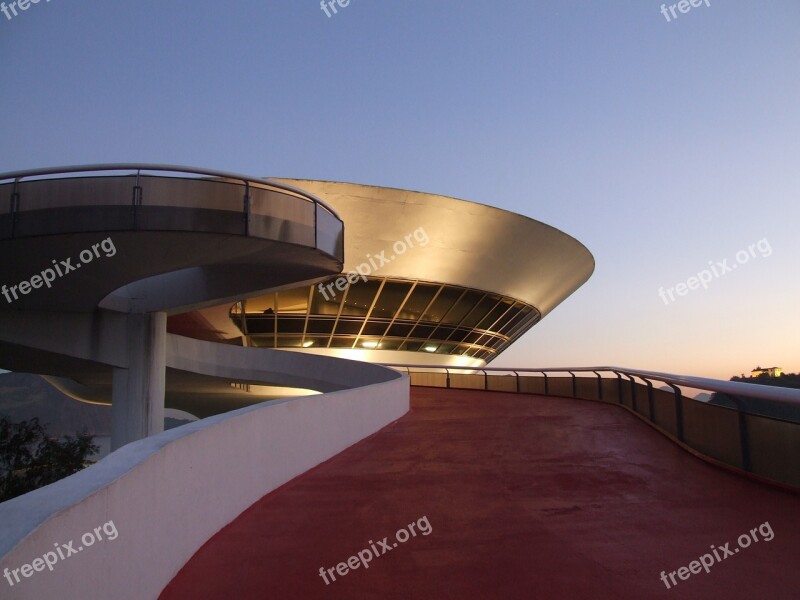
[(10, 10), (365, 556), (684, 6), (399, 248), (717, 270), (59, 269), (707, 561), (329, 6), (49, 560)]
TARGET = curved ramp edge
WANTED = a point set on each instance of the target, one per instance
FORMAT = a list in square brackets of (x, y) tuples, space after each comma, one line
[(169, 493)]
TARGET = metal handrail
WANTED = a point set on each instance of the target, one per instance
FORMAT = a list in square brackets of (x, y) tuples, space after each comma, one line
[(738, 393), (733, 388), (19, 175)]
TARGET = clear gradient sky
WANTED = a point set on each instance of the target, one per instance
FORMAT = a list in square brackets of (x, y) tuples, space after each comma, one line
[(659, 145)]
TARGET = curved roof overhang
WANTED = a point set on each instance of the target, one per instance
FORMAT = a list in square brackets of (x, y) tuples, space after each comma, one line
[(469, 244)]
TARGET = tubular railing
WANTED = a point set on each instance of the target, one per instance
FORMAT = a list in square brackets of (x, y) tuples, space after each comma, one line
[(321, 208), (755, 428)]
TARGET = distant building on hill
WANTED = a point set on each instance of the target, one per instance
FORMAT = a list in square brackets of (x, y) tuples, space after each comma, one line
[(769, 371)]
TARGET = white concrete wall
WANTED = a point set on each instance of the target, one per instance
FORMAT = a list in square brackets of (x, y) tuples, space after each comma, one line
[(168, 494)]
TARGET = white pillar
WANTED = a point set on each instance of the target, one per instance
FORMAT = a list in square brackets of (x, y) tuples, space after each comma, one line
[(137, 397)]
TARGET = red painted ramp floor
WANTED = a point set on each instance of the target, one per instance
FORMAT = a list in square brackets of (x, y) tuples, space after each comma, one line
[(509, 497)]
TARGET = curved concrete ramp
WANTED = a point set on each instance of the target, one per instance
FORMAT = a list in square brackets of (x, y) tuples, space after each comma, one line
[(526, 497), (268, 366), (100, 258), (147, 271), (169, 493), (200, 373), (146, 243)]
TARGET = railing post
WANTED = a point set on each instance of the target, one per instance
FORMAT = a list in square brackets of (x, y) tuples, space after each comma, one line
[(744, 438), (574, 385), (136, 200), (246, 209), (517, 378), (599, 385), (448, 378), (650, 402), (485, 381), (14, 208), (619, 387), (546, 386), (634, 404), (137, 190), (678, 410)]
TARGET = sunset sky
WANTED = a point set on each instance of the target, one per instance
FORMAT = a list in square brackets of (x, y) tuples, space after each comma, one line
[(665, 147)]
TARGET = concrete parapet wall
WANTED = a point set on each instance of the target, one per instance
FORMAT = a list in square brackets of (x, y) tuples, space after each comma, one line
[(168, 494)]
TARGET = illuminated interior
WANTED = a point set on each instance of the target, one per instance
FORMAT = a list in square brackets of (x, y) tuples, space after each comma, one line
[(386, 314)]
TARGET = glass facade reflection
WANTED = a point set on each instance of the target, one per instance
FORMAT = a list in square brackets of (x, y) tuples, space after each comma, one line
[(387, 314)]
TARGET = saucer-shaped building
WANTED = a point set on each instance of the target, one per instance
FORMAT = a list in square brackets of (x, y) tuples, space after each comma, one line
[(427, 279)]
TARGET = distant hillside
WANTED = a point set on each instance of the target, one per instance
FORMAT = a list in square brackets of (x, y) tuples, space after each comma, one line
[(789, 380), (24, 396), (787, 412), (702, 396)]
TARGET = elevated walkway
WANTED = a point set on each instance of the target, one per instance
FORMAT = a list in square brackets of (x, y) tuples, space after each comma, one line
[(102, 254), (171, 492), (527, 496)]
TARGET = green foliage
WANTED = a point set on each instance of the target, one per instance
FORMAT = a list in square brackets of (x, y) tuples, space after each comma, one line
[(29, 459)]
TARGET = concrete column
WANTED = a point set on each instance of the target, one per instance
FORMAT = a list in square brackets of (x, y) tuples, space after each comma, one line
[(137, 397)]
